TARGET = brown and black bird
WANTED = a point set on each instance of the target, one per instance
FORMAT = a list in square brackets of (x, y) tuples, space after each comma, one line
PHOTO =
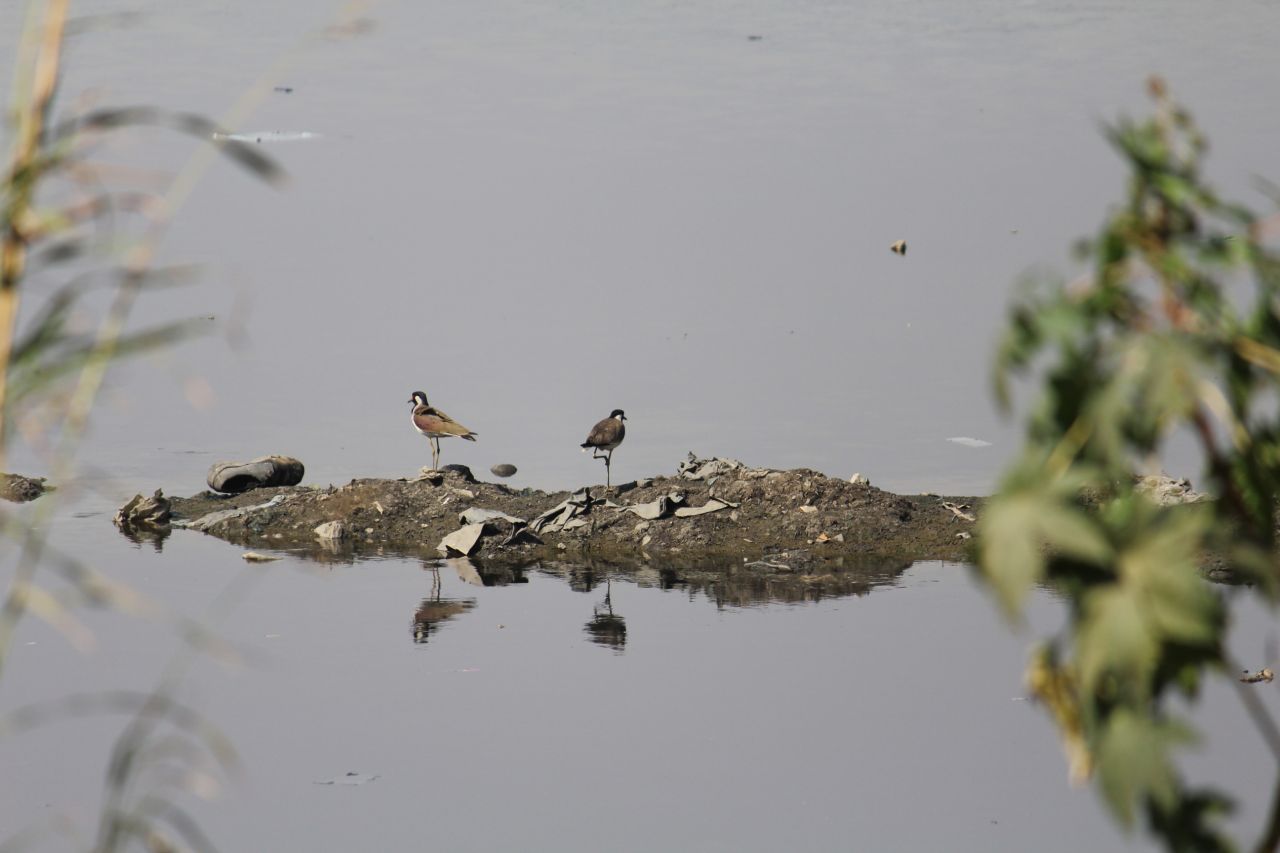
[(435, 425), (606, 436)]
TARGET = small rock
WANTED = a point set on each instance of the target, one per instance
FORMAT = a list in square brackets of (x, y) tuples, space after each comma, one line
[(859, 480), (642, 527), (333, 530), (645, 541), (152, 512), (808, 508), (20, 489), (506, 469)]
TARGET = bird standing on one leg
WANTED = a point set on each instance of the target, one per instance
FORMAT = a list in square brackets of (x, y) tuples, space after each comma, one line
[(606, 436), (435, 424)]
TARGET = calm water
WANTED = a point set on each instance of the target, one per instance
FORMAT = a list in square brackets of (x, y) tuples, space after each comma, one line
[(538, 212)]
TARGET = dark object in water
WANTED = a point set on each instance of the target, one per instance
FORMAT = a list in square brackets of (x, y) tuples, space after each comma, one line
[(505, 469), (20, 489), (286, 89), (235, 477), (755, 38)]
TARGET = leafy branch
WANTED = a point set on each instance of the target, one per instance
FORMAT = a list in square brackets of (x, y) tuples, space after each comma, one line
[(1176, 328)]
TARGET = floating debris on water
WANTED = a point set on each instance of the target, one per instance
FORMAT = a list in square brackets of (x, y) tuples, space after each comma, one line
[(255, 557), (966, 441), (267, 136), (899, 248), (1259, 676)]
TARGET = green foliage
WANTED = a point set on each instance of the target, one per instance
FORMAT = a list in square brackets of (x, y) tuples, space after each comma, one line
[(1177, 327)]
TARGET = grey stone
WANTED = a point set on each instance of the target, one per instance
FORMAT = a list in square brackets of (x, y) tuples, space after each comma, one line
[(506, 469)]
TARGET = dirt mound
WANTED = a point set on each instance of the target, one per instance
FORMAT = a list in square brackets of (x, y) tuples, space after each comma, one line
[(774, 522)]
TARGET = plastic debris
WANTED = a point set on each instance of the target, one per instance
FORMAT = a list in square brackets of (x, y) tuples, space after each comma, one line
[(463, 541), (673, 504), (958, 510), (566, 515), (694, 468), (476, 515), (255, 557)]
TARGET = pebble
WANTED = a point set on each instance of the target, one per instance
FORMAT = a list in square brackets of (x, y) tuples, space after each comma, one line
[(506, 469)]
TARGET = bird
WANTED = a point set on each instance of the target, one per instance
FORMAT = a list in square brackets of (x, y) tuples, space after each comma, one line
[(606, 435), (435, 424)]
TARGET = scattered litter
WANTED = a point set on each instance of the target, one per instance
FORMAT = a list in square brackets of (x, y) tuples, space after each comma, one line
[(462, 541), (808, 508), (964, 535), (694, 468), (859, 480), (205, 522), (1255, 677), (899, 248), (566, 515), (351, 778), (255, 557), (379, 508), (968, 442), (673, 504), (958, 510), (476, 515), (464, 494)]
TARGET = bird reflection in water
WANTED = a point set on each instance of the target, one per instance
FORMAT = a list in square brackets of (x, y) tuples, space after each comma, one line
[(434, 610), (607, 628)]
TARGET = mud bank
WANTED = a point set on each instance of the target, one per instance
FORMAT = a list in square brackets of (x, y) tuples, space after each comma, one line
[(717, 517)]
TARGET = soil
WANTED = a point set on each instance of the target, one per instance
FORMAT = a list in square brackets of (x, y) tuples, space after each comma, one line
[(792, 535)]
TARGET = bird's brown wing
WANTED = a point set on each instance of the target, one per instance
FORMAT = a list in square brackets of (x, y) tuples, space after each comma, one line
[(608, 431), (430, 419)]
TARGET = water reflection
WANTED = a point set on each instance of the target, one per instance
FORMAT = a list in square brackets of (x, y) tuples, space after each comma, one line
[(435, 610), (605, 627), (475, 573)]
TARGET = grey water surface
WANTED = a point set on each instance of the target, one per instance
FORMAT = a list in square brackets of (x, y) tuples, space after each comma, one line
[(538, 212)]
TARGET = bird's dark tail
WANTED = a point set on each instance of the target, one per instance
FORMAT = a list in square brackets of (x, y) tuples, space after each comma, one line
[(471, 436)]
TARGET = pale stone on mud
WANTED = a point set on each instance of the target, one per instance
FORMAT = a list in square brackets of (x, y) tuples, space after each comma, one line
[(331, 530)]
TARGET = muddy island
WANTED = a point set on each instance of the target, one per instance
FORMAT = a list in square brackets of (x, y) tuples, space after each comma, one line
[(712, 514)]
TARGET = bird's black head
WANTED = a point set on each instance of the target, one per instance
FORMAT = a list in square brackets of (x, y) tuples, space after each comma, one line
[(418, 399), (617, 413)]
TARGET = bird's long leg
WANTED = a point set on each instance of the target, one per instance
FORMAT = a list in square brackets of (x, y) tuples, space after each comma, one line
[(608, 463), (435, 454)]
